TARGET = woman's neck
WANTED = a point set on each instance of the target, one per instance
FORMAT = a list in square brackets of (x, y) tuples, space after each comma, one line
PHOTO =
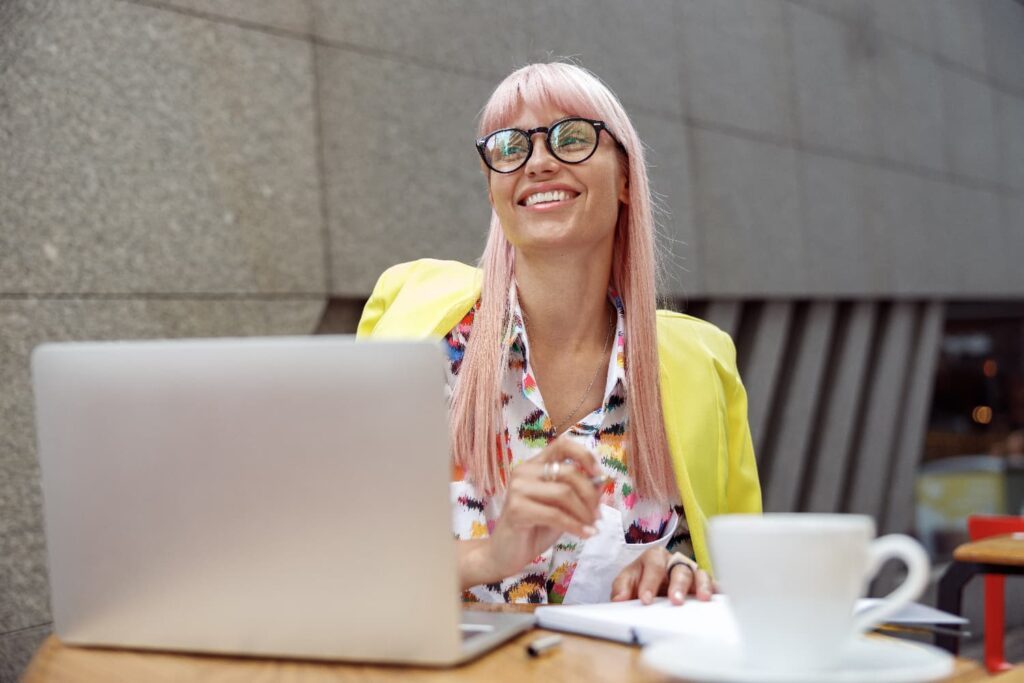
[(565, 301)]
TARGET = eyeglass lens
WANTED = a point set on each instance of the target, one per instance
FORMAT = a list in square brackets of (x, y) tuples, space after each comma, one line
[(571, 141)]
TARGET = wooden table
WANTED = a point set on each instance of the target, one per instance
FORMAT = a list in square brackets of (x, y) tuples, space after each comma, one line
[(579, 659), (1005, 551), (993, 555)]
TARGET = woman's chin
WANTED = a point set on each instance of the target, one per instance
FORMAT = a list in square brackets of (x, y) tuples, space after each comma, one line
[(555, 238)]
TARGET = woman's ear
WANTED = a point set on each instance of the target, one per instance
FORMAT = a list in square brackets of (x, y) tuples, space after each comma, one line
[(624, 189)]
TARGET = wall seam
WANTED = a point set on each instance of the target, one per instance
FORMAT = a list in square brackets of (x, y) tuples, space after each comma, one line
[(25, 629), (321, 159), (162, 296)]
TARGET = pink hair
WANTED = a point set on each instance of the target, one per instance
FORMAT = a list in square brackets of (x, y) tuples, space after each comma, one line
[(475, 423)]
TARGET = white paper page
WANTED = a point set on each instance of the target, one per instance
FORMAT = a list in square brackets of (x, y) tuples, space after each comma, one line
[(635, 622), (913, 613)]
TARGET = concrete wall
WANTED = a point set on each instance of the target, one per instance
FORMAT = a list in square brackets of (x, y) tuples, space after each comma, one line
[(214, 167)]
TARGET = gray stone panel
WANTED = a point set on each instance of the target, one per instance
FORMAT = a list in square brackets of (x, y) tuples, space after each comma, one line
[(834, 65), (737, 66), (26, 323), (907, 20), (906, 249), (761, 371), (855, 11), (959, 31), (884, 413), (836, 197), (966, 230), (970, 139), (1012, 215), (725, 314), (16, 650), (150, 151), (403, 176), (668, 162), (841, 397), (747, 215), (794, 423), (899, 514), (1004, 26), (289, 15), (476, 35), (1010, 133), (638, 58), (908, 106), (24, 593)]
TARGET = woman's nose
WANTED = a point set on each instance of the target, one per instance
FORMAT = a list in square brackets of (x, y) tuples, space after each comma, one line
[(542, 160)]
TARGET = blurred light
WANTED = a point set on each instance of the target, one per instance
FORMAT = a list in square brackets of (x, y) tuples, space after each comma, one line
[(982, 415), (990, 368)]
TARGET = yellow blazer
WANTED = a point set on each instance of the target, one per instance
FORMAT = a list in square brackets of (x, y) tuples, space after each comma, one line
[(702, 397)]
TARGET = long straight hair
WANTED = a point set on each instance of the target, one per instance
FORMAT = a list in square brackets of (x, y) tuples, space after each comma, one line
[(476, 425)]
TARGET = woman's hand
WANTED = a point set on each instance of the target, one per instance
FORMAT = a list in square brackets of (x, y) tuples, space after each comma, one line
[(538, 509), (648, 576)]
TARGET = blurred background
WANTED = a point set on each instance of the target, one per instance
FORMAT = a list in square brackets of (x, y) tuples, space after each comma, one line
[(841, 185)]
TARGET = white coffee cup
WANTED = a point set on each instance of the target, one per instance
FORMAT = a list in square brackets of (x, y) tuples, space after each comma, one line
[(792, 581)]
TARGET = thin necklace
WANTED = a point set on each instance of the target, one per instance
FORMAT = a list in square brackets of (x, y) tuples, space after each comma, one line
[(569, 419)]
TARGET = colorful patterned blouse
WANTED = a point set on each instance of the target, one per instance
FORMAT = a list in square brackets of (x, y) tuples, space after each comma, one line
[(528, 429)]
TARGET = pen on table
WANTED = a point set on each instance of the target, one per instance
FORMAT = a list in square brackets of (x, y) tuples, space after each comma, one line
[(543, 645), (923, 629)]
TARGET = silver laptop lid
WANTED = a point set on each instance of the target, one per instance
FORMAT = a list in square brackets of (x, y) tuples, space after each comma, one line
[(277, 496)]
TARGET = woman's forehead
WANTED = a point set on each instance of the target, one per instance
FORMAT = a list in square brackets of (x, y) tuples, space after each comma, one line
[(529, 116)]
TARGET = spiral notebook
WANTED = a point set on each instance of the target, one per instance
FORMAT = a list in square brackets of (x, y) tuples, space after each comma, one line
[(634, 622)]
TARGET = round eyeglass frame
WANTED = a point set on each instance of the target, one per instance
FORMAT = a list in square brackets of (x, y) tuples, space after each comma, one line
[(481, 143)]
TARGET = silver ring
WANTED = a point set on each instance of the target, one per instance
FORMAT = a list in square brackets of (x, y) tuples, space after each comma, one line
[(551, 470), (680, 559)]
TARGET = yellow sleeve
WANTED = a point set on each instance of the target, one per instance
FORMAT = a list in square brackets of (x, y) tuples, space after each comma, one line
[(743, 488), (384, 293)]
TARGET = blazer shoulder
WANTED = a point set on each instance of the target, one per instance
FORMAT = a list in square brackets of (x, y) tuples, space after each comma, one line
[(427, 270), (417, 298), (686, 329)]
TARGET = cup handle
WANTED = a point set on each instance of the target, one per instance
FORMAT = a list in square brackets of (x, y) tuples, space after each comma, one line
[(913, 555)]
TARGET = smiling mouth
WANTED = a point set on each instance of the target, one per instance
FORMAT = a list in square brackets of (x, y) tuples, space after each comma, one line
[(552, 197)]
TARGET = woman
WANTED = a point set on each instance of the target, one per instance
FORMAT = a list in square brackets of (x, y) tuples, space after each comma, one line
[(591, 433)]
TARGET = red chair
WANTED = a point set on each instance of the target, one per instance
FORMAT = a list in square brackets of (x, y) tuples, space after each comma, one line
[(979, 527)]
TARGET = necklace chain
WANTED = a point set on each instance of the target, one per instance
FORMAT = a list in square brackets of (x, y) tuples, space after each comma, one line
[(568, 420)]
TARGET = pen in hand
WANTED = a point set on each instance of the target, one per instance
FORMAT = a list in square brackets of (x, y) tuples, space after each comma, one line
[(599, 481)]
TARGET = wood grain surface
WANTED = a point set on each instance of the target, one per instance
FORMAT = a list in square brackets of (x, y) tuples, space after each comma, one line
[(579, 659), (1008, 550)]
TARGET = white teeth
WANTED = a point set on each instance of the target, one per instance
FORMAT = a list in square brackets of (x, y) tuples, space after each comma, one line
[(553, 196)]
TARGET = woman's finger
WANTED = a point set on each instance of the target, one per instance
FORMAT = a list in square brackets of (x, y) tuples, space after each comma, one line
[(529, 513), (704, 585), (560, 494), (680, 581), (583, 488), (654, 562), (624, 585), (563, 448)]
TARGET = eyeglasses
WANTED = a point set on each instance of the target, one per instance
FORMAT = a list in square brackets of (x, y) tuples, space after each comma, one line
[(571, 141)]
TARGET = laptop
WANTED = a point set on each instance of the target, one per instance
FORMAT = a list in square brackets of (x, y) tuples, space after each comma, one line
[(281, 497)]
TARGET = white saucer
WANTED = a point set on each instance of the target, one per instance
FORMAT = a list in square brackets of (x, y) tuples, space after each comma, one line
[(879, 660)]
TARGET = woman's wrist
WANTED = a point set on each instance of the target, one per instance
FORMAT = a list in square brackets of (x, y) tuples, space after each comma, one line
[(475, 563)]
